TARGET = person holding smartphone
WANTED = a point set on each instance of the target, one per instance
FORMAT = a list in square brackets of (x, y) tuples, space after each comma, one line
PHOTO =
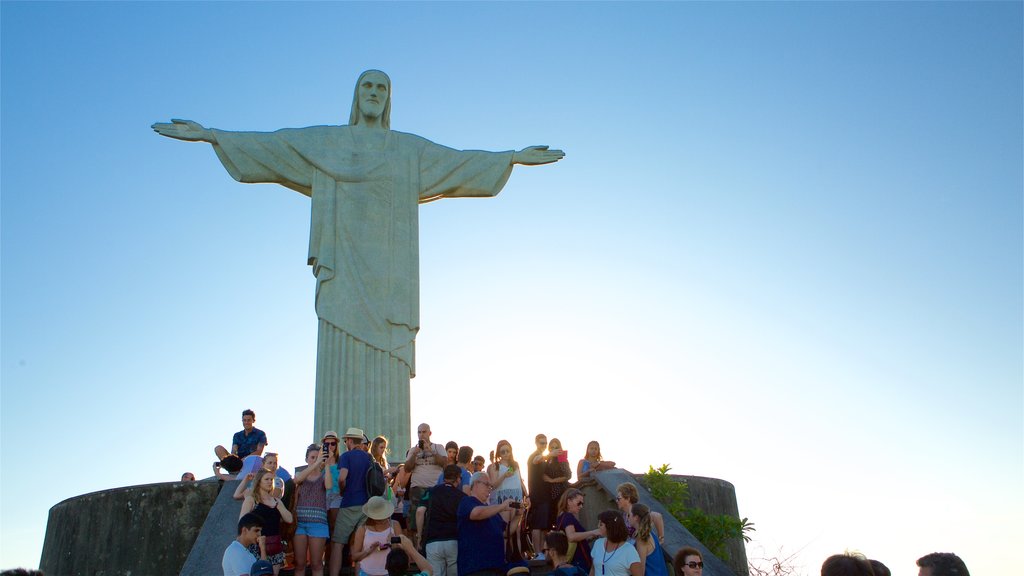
[(556, 474), (507, 479), (312, 532), (373, 538)]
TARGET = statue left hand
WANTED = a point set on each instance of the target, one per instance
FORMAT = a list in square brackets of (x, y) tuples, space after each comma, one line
[(535, 155)]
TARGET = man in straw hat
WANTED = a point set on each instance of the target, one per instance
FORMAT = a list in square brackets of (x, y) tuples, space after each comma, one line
[(352, 467)]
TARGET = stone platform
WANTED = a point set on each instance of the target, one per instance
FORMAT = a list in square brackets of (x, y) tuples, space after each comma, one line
[(183, 527)]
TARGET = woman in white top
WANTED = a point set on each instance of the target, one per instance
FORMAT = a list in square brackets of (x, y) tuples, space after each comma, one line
[(507, 479), (612, 554), (373, 539)]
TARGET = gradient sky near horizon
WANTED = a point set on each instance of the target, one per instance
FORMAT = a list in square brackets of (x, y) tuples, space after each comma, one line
[(784, 249)]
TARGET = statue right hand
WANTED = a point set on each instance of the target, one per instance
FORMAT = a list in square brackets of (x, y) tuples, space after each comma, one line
[(184, 130)]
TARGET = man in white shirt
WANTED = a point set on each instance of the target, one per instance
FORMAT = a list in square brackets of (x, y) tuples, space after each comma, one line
[(237, 558), (425, 461)]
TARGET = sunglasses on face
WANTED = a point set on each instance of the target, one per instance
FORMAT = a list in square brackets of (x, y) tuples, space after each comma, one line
[(694, 565), (330, 443)]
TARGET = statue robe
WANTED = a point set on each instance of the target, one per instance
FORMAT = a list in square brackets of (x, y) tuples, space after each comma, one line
[(364, 251)]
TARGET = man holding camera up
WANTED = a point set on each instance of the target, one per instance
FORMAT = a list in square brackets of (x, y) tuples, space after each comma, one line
[(424, 461), (482, 530)]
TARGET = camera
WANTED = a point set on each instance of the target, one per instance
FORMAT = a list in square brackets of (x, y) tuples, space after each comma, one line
[(515, 505)]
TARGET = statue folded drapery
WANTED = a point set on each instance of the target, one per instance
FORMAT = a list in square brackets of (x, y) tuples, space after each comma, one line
[(365, 182), (363, 247)]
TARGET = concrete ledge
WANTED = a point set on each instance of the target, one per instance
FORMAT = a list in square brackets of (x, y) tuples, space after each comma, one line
[(145, 529)]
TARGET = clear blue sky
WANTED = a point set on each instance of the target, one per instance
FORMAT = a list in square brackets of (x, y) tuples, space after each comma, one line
[(785, 249)]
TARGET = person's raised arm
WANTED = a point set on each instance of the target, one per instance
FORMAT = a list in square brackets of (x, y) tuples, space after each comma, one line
[(247, 505), (220, 475), (533, 155), (410, 461), (243, 486), (286, 514), (580, 472), (485, 512), (659, 525), (422, 563), (315, 468), (188, 131)]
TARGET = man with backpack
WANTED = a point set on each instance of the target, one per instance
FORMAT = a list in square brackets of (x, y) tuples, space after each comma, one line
[(352, 472)]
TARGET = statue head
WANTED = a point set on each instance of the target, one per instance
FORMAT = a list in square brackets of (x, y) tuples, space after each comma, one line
[(372, 87)]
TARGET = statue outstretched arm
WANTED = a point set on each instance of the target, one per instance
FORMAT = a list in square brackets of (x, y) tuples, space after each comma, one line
[(185, 130), (535, 155)]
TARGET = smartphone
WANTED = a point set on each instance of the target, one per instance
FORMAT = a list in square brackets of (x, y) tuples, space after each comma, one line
[(396, 539), (326, 450), (563, 457), (516, 505)]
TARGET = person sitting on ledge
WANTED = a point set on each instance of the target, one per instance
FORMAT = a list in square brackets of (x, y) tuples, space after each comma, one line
[(592, 462), (248, 440)]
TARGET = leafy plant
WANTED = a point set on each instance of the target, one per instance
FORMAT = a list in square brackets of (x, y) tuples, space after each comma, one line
[(713, 530)]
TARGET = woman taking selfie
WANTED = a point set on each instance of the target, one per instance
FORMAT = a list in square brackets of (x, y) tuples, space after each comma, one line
[(311, 511), (556, 475)]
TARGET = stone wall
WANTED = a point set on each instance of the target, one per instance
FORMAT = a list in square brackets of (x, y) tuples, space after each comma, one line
[(144, 530)]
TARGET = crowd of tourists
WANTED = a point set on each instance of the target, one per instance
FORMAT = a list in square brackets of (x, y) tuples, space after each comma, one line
[(448, 512)]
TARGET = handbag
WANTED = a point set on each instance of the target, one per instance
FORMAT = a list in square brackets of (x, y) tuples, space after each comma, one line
[(274, 545)]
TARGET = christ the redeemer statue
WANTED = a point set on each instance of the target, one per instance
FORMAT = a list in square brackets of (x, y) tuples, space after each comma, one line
[(366, 182)]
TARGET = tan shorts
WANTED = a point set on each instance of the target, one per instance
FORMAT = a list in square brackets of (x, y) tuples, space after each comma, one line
[(345, 525)]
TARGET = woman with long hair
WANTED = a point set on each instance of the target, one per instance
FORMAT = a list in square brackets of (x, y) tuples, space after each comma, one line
[(556, 475), (262, 502), (378, 453), (612, 554), (507, 479), (373, 538), (652, 557), (329, 445), (592, 461), (568, 521), (311, 511)]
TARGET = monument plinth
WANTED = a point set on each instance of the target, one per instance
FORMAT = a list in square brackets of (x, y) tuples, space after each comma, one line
[(365, 182)]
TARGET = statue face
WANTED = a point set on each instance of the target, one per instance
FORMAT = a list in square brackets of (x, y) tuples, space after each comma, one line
[(373, 94)]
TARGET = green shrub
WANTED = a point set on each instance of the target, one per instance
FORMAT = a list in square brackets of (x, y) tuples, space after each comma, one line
[(713, 530)]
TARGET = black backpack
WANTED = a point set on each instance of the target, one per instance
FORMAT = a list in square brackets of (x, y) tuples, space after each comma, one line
[(376, 483)]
